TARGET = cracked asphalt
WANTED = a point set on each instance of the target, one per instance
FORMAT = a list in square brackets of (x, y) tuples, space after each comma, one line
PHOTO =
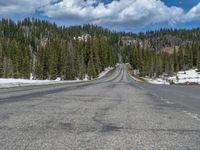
[(113, 113)]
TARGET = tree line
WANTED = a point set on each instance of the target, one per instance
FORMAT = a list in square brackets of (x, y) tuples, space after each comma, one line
[(49, 51), (155, 63)]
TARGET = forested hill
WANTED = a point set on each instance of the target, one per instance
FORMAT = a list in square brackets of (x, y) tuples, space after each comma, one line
[(159, 39), (48, 51), (166, 51)]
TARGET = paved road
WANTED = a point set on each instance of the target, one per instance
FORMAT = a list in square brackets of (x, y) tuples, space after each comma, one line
[(114, 113)]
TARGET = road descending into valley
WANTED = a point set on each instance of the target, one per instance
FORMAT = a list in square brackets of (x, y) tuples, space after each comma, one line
[(112, 113)]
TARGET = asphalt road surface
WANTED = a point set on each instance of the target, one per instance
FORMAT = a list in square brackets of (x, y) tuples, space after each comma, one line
[(114, 113)]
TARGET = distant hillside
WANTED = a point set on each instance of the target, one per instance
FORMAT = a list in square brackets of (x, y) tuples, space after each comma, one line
[(161, 52), (157, 40)]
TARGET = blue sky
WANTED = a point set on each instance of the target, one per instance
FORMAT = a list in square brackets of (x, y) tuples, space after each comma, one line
[(120, 15), (185, 4)]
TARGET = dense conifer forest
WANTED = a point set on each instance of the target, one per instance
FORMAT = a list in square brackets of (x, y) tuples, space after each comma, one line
[(49, 51), (151, 58)]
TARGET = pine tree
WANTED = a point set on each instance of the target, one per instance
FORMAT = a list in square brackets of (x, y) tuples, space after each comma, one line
[(38, 68), (198, 59), (91, 70), (26, 67), (53, 65), (160, 65), (171, 66), (15, 57), (1, 61)]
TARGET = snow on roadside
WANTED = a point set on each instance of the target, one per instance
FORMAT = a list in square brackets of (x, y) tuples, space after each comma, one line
[(10, 82), (182, 77), (156, 81), (86, 78), (189, 76), (106, 70)]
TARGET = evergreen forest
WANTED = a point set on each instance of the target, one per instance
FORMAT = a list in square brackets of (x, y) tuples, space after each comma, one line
[(47, 51)]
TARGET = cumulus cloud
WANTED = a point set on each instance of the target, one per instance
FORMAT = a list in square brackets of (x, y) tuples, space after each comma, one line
[(123, 12), (193, 14), (130, 13)]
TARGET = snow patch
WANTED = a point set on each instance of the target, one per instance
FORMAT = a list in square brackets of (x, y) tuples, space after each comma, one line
[(5, 83), (106, 70), (84, 37), (182, 77), (156, 81), (58, 79), (86, 78), (31, 76), (10, 82)]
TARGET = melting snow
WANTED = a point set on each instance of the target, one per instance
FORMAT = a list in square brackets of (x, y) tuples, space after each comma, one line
[(189, 76), (106, 70), (10, 82), (5, 83), (182, 77), (156, 81)]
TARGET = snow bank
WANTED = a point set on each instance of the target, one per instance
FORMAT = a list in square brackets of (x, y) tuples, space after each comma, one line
[(106, 70), (6, 83), (21, 82), (189, 76), (10, 82), (156, 81), (182, 77)]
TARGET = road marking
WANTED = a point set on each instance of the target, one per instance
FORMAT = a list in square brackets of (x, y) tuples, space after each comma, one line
[(155, 95), (140, 87), (134, 78), (166, 101), (194, 116)]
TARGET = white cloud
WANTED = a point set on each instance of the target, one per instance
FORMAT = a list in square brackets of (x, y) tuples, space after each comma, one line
[(123, 12), (130, 13), (193, 14)]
